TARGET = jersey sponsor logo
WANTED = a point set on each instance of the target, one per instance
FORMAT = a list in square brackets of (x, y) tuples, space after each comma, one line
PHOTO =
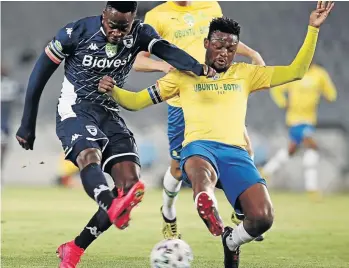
[(214, 87), (90, 61), (128, 41), (93, 46), (92, 130), (69, 31), (111, 50)]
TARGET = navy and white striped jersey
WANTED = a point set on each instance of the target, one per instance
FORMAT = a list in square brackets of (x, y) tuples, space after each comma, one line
[(89, 56)]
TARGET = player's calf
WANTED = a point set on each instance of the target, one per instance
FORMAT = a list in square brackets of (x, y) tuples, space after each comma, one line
[(256, 205), (93, 179)]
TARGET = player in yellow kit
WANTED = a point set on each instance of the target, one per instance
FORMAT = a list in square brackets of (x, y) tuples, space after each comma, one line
[(214, 113), (301, 117), (184, 24), (67, 171)]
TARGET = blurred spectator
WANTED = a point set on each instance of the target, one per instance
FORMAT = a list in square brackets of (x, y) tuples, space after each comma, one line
[(10, 94)]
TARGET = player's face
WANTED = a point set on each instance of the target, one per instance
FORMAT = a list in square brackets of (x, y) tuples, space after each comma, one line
[(220, 50), (117, 25)]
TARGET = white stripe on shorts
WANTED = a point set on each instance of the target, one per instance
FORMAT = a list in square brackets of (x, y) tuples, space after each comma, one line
[(115, 156)]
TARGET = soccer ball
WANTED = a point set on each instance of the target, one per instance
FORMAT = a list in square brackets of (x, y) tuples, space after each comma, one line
[(172, 253)]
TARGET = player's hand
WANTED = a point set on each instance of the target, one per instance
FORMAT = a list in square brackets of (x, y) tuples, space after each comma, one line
[(319, 15), (208, 71), (25, 138), (106, 84), (166, 68)]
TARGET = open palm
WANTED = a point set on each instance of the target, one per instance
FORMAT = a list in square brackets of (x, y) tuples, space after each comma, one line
[(319, 15)]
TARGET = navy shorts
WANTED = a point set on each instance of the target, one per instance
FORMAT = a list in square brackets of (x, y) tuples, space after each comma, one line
[(175, 131), (235, 169), (91, 125)]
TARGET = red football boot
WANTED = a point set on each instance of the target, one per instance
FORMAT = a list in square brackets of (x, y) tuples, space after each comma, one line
[(70, 255), (119, 211), (209, 214)]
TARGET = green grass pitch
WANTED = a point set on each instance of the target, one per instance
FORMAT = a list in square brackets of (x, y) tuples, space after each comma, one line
[(36, 220)]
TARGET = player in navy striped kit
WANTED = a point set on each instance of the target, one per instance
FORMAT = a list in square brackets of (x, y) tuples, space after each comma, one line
[(93, 135)]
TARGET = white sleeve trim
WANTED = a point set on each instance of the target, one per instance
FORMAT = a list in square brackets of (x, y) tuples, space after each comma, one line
[(151, 44)]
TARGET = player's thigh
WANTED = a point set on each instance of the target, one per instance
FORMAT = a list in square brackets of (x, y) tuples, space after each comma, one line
[(198, 164), (292, 147), (175, 131), (81, 138), (238, 174)]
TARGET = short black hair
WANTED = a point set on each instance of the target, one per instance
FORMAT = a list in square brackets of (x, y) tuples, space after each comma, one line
[(224, 25), (123, 6)]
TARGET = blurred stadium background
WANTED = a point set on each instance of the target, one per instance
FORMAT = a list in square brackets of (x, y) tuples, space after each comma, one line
[(275, 29)]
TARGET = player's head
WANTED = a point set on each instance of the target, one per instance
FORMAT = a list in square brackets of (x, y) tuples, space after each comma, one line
[(118, 17), (221, 43)]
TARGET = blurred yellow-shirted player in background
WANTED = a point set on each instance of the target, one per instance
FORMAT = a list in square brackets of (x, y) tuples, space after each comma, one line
[(184, 24), (67, 171), (301, 105)]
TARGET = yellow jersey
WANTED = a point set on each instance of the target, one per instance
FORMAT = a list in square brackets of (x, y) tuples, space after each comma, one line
[(215, 108), (303, 96), (186, 27)]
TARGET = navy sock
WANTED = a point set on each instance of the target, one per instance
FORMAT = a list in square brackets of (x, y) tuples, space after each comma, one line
[(98, 224), (96, 186)]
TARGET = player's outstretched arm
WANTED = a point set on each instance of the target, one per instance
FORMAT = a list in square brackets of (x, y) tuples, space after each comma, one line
[(43, 70), (297, 69), (134, 101), (173, 55)]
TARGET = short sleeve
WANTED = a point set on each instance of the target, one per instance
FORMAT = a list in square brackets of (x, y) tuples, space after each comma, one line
[(148, 37), (168, 86), (260, 76), (152, 20), (64, 43)]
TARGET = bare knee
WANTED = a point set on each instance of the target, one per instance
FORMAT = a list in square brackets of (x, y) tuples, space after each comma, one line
[(125, 174), (260, 220), (89, 156)]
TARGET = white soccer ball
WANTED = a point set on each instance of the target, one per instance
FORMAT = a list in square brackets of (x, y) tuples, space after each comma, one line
[(172, 253)]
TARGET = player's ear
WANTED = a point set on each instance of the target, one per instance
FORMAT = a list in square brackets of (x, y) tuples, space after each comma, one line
[(206, 43)]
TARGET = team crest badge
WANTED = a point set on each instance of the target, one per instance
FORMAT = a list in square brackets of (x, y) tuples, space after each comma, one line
[(111, 50), (189, 19), (128, 41), (92, 130)]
